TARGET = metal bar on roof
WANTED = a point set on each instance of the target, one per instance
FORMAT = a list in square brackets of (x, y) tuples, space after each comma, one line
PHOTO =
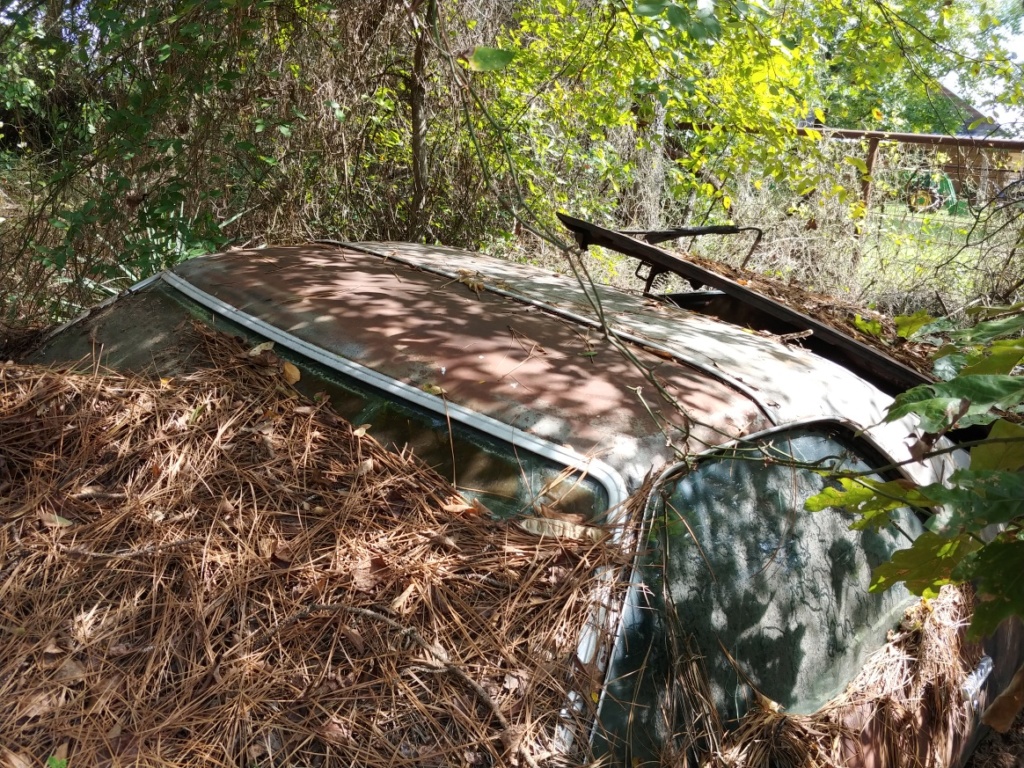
[(869, 362), (930, 139)]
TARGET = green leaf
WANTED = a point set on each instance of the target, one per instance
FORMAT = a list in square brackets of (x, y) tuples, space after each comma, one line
[(1005, 456), (650, 8), (484, 59), (1000, 358), (871, 499), (908, 325), (997, 571), (964, 400), (677, 16), (979, 498), (870, 327), (983, 333), (985, 312), (947, 366), (926, 566), (856, 162)]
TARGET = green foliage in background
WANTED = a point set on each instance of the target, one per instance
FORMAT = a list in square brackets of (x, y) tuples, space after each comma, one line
[(136, 134), (975, 520)]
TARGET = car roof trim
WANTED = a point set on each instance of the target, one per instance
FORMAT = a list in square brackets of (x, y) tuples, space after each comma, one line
[(708, 370), (600, 471)]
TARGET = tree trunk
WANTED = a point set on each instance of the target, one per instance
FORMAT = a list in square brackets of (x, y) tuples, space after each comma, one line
[(418, 96)]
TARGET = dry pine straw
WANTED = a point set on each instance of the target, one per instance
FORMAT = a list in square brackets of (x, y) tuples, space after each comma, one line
[(839, 314), (211, 571), (905, 707)]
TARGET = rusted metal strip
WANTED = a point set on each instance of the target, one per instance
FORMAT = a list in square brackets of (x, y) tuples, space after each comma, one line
[(885, 372)]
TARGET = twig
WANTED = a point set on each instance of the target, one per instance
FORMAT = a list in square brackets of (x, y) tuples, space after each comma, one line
[(129, 553)]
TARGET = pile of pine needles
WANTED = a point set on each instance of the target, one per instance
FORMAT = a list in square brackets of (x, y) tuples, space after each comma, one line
[(904, 709), (212, 571)]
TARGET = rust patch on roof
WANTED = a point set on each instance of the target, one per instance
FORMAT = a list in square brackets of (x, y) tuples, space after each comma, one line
[(518, 364)]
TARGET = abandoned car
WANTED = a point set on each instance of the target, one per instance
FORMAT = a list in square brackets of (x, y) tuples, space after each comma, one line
[(513, 381)]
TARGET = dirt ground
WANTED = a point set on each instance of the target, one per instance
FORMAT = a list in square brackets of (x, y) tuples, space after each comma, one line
[(1001, 750)]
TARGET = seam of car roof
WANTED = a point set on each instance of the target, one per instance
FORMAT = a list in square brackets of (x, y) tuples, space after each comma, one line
[(724, 378), (602, 472)]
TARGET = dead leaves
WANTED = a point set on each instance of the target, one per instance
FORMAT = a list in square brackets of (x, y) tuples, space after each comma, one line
[(472, 280), (290, 373), (1003, 711), (368, 573), (472, 508), (263, 355)]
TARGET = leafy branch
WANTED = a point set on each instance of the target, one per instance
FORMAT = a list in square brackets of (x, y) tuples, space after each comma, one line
[(976, 519)]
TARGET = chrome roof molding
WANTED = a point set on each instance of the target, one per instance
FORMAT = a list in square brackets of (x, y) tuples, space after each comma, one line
[(604, 474)]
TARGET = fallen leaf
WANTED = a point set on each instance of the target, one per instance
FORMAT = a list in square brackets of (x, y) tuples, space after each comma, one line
[(922, 446), (54, 520), (319, 586), (472, 280), (401, 603), (70, 670), (256, 751), (361, 430), (337, 732), (38, 704), (10, 759), (458, 507), (52, 650), (259, 349), (353, 637), (283, 552), (542, 526), (369, 572), (1002, 712), (290, 372)]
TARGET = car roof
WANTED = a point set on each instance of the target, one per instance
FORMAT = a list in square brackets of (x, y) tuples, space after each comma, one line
[(588, 376), (526, 346)]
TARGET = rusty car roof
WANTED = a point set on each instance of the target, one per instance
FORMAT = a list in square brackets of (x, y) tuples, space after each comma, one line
[(442, 317), (522, 366), (528, 348)]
